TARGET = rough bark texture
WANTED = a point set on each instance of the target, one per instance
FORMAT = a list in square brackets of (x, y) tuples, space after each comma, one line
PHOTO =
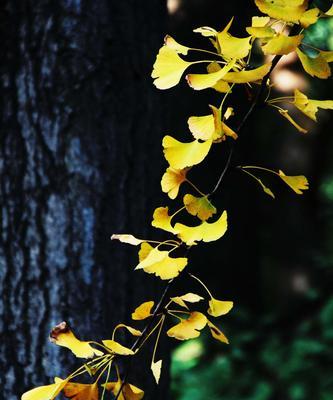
[(79, 129)]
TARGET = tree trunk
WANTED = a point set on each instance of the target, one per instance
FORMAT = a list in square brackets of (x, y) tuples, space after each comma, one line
[(80, 159)]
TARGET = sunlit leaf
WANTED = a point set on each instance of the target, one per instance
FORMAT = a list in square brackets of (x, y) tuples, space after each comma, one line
[(219, 307), (286, 115), (287, 10), (252, 75), (186, 298), (317, 66), (156, 369), (162, 220), (143, 311), (179, 48), (168, 68), (297, 183), (232, 47), (188, 328), (171, 181), (199, 206), (261, 32), (310, 107), (128, 392), (206, 31), (282, 44), (329, 12), (206, 231), (217, 333), (117, 348), (63, 336), (161, 264), (48, 392), (132, 331), (310, 17), (220, 86), (205, 81), (80, 391), (181, 155), (125, 238), (327, 55), (260, 22)]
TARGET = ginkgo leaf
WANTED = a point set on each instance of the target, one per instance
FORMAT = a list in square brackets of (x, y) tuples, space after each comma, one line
[(168, 68), (206, 31), (282, 44), (63, 336), (161, 264), (310, 107), (162, 220), (207, 127), (297, 183), (261, 32), (327, 55), (181, 155), (219, 307), (132, 331), (247, 76), (310, 17), (206, 231), (199, 206), (217, 333), (117, 348), (173, 44), (188, 328), (128, 391), (317, 66), (260, 22), (80, 391), (205, 81), (125, 238), (329, 12), (286, 115), (47, 392), (189, 298), (287, 10), (143, 311), (156, 370), (171, 181), (220, 86), (232, 47)]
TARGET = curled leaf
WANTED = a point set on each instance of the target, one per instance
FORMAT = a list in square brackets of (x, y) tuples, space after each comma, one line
[(125, 238), (247, 76), (297, 183), (63, 336), (186, 298), (132, 331), (206, 31), (143, 311), (171, 181), (217, 333), (117, 348), (310, 107), (188, 328)]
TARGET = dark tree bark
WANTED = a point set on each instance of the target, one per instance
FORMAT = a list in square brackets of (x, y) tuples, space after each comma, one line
[(79, 160)]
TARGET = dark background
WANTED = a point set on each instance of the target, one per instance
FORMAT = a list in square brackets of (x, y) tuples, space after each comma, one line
[(80, 142)]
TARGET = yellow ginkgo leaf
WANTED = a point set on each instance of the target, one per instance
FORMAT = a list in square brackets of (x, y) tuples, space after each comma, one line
[(217, 333), (80, 391), (171, 181), (143, 311), (219, 307), (220, 86), (287, 10), (188, 328), (206, 231), (125, 238), (128, 391), (327, 55), (179, 48), (261, 32), (310, 17), (168, 68), (260, 22), (159, 263), (286, 115), (205, 81), (199, 206), (48, 392), (310, 107), (329, 12), (207, 127), (162, 220), (132, 331), (232, 47), (63, 336), (181, 155), (117, 348), (282, 44), (206, 31), (252, 75), (297, 183), (316, 66), (156, 368), (186, 298)]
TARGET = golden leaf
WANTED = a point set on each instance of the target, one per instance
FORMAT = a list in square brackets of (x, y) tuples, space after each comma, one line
[(129, 392), (171, 181), (260, 22), (181, 155), (80, 391), (199, 206), (261, 32), (282, 44), (287, 10), (297, 183), (217, 333), (156, 369), (132, 331), (206, 231), (206, 31), (310, 17), (232, 47), (63, 336), (162, 220), (143, 311), (317, 66), (168, 68), (310, 107), (220, 86), (179, 48), (188, 328), (189, 298), (117, 348), (48, 392), (125, 238), (219, 307), (252, 75)]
